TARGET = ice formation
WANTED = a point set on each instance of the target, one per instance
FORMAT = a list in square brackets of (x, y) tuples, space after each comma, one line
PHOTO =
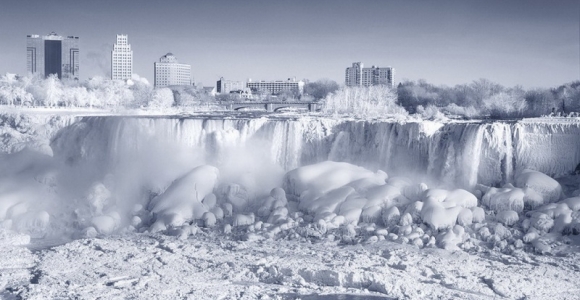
[(295, 178)]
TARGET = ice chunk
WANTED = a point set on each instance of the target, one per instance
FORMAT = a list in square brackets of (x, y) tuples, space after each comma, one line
[(217, 212), (391, 216), (209, 219), (532, 199), (504, 199), (541, 221), (243, 220), (573, 203), (454, 236), (237, 196), (329, 202), (99, 197), (415, 192), (104, 224), (465, 217), (371, 214), (507, 217), (438, 216)]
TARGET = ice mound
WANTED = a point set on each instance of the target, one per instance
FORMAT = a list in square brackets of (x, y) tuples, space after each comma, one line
[(323, 177), (500, 199), (340, 192), (442, 208), (182, 201), (543, 184)]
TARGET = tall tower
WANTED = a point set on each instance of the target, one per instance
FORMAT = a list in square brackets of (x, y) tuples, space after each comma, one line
[(353, 75), (168, 71), (121, 59), (53, 54)]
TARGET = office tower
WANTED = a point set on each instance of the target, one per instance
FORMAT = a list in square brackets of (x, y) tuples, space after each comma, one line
[(168, 71), (53, 54), (358, 75), (121, 59)]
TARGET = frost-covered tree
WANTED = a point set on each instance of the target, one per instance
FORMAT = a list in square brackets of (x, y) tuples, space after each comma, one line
[(53, 91), (374, 101), (161, 98), (505, 104)]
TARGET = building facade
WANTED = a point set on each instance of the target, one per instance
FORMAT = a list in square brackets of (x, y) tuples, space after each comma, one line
[(53, 54), (168, 71), (275, 87), (226, 86), (358, 75), (121, 59)]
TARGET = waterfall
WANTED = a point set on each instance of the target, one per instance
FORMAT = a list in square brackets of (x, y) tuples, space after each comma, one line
[(452, 153)]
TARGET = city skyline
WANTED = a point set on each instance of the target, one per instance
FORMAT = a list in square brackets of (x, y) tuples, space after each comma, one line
[(529, 43)]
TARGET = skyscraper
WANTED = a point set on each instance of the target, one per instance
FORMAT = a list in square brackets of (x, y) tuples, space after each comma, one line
[(53, 54), (358, 75), (121, 59), (168, 71)]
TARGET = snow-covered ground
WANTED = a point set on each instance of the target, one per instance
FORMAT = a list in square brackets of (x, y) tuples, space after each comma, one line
[(217, 266), (287, 207)]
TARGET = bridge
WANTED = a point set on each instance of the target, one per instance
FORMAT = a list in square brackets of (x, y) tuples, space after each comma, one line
[(273, 106)]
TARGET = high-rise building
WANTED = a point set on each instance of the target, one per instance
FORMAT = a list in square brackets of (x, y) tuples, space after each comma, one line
[(168, 71), (53, 54), (275, 87), (121, 59), (225, 86), (358, 75)]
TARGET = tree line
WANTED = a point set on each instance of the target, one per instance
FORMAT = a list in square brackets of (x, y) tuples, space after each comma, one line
[(481, 98)]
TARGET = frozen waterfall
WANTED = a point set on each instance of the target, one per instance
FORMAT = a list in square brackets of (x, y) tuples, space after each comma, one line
[(453, 153)]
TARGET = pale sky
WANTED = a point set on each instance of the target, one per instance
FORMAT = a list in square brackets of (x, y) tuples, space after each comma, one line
[(531, 43)]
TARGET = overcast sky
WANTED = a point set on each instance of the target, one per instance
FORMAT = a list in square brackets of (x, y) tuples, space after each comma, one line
[(525, 42)]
